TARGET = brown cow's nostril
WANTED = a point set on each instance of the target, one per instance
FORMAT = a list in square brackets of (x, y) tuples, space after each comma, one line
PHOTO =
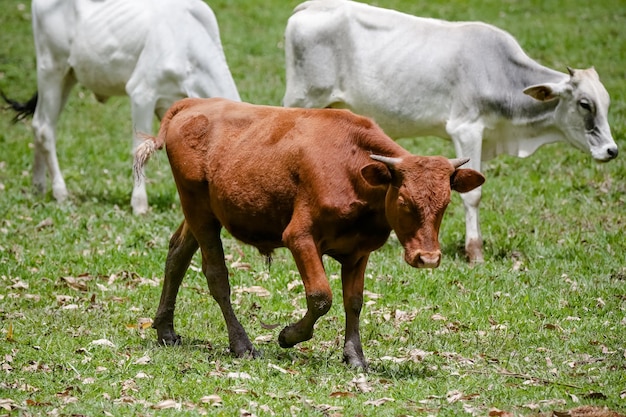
[(428, 260)]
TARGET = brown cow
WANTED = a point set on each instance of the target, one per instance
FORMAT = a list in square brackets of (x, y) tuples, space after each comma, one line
[(317, 181)]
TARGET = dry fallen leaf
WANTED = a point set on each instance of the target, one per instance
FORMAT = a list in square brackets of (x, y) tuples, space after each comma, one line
[(342, 395), (143, 360), (255, 289), (454, 396), (293, 284), (103, 342), (7, 404), (211, 399), (78, 284), (166, 404), (278, 368), (494, 412), (32, 403), (264, 338), (393, 359), (238, 375), (551, 326), (361, 383), (18, 284), (241, 265), (371, 295), (44, 223), (379, 402), (144, 323)]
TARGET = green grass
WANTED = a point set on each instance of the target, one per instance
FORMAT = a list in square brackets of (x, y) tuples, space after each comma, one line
[(540, 326)]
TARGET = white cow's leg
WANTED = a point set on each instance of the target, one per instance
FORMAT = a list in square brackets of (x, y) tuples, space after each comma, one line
[(473, 237), (39, 161), (468, 144), (142, 113), (53, 93)]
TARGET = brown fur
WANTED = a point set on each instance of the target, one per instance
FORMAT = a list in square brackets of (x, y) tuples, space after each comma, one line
[(301, 179)]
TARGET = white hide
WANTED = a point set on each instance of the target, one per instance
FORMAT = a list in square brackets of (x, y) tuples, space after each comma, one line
[(466, 81), (154, 51)]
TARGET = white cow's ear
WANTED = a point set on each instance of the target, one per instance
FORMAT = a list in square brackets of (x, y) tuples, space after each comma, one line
[(545, 92)]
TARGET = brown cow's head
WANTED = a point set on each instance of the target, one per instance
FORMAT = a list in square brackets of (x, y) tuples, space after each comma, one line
[(418, 193)]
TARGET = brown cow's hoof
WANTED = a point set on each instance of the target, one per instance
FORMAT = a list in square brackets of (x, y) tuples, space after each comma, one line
[(358, 363), (282, 340), (291, 336), (248, 354), (169, 339), (354, 358), (244, 350)]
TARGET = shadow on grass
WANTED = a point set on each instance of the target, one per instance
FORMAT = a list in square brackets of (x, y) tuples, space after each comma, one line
[(159, 202), (302, 360), (453, 250), (404, 370)]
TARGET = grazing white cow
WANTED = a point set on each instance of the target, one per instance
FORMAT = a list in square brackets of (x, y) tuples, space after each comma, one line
[(466, 81), (154, 51)]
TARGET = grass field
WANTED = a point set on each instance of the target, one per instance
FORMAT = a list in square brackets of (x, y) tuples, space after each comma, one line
[(539, 327)]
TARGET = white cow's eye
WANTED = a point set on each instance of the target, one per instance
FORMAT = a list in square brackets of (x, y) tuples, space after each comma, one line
[(585, 104)]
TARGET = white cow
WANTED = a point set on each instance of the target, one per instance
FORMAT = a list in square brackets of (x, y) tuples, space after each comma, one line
[(154, 51), (466, 81)]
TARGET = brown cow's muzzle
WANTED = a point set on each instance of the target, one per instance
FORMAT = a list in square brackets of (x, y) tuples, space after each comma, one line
[(422, 259)]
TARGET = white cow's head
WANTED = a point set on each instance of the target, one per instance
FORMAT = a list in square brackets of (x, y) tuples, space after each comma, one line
[(582, 111)]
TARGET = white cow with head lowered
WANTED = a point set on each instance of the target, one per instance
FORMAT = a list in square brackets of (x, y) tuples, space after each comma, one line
[(154, 51), (466, 81)]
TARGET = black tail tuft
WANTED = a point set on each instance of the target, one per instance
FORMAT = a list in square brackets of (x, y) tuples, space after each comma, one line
[(23, 110)]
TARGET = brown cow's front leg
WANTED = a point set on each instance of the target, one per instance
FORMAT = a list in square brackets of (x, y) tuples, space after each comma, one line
[(216, 273), (318, 294), (352, 278), (183, 245)]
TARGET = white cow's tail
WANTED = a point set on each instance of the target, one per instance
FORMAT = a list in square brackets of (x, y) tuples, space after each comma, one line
[(142, 154)]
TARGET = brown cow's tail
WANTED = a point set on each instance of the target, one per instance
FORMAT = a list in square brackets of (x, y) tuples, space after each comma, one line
[(143, 153), (152, 144)]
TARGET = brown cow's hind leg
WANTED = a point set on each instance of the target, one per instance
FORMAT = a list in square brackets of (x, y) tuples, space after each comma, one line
[(183, 245), (352, 278), (216, 273)]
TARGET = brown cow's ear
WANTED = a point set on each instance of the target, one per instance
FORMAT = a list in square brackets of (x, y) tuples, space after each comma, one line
[(376, 174), (464, 180)]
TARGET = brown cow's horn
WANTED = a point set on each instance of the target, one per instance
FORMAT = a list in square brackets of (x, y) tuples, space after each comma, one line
[(457, 162), (392, 162)]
